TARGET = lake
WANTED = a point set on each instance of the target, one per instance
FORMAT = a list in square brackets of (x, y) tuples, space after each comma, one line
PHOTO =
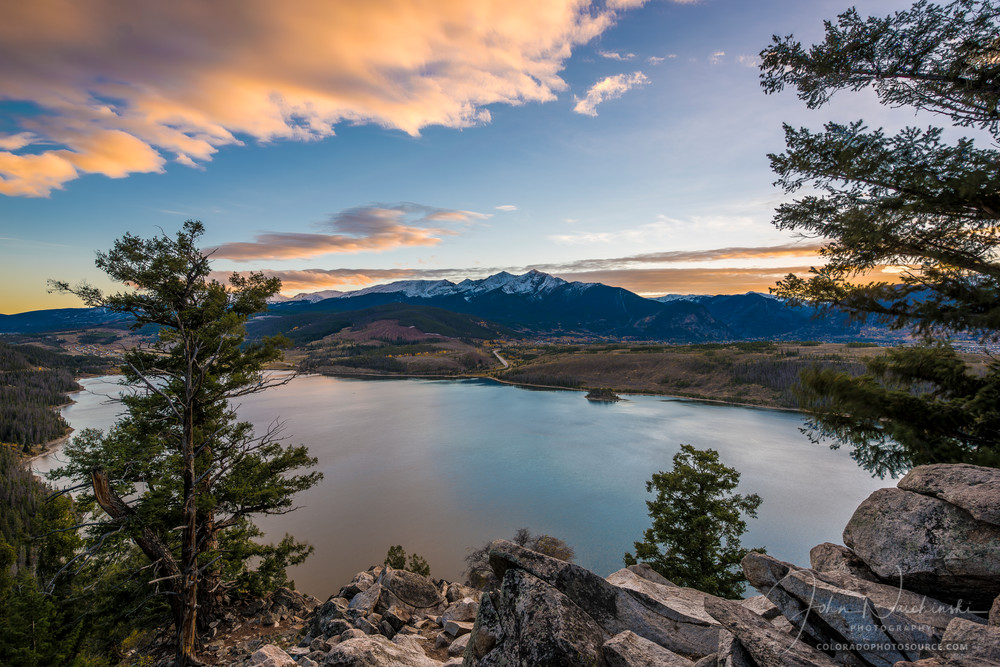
[(442, 466)]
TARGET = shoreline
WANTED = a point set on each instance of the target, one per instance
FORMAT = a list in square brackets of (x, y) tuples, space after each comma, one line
[(665, 397)]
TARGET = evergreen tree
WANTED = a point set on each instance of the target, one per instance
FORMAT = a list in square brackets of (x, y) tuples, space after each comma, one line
[(910, 200), (179, 475), (697, 524)]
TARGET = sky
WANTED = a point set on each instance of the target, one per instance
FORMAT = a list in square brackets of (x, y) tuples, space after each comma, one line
[(343, 144)]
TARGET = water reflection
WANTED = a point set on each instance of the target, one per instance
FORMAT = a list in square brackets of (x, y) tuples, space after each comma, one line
[(443, 466)]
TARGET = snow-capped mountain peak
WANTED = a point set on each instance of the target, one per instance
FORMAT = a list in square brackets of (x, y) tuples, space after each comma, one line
[(533, 283), (410, 288), (311, 297)]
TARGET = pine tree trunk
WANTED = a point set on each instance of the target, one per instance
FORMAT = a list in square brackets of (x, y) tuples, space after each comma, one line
[(187, 631), (208, 590)]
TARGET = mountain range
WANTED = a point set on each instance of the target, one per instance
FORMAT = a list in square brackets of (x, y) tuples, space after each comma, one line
[(532, 304)]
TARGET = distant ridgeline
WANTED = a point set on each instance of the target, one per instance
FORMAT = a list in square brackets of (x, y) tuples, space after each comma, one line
[(532, 304), (33, 381)]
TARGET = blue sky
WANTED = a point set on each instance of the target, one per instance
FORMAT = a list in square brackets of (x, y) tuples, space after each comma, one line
[(405, 139)]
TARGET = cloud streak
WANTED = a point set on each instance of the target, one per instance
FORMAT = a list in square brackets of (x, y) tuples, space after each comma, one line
[(117, 88), (644, 281), (365, 228), (632, 272), (614, 55), (678, 256), (608, 88)]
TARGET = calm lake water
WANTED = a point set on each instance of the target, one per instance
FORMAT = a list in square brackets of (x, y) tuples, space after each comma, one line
[(441, 467)]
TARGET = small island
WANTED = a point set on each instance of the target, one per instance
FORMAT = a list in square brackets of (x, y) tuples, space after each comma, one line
[(603, 394)]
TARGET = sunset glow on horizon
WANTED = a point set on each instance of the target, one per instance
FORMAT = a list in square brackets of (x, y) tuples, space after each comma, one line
[(340, 145)]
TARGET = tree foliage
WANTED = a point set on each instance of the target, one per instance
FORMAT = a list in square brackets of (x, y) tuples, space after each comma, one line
[(179, 475), (910, 200), (396, 559), (40, 624), (34, 380), (697, 524)]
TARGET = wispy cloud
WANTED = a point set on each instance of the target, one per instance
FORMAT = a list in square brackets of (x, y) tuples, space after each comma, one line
[(716, 57), (655, 60), (633, 272), (748, 61), (678, 256), (664, 230), (645, 281), (614, 55), (714, 280), (119, 88), (506, 207), (608, 88), (365, 228)]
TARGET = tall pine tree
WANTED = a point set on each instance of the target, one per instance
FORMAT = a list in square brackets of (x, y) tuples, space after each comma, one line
[(910, 200), (180, 476)]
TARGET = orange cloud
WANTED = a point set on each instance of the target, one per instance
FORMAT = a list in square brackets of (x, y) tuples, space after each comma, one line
[(121, 87), (310, 280), (669, 256), (364, 228), (650, 282), (701, 281)]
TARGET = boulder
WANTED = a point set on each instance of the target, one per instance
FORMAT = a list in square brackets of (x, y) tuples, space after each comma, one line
[(731, 652), (768, 646), (397, 617), (973, 488), (361, 582), (667, 615), (271, 656), (627, 649), (456, 592), (458, 628), (935, 547), (646, 571), (968, 644), (377, 651), (995, 612), (765, 573), (829, 557), (760, 605), (486, 632), (538, 625), (462, 610), (413, 592), (366, 600), (366, 626), (335, 627), (458, 646)]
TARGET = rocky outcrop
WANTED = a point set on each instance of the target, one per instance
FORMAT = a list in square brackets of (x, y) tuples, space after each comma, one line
[(845, 610), (377, 651), (632, 616), (915, 536), (836, 608), (768, 646), (627, 649)]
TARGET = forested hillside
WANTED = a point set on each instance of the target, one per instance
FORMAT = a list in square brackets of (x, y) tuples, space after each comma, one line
[(33, 381)]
